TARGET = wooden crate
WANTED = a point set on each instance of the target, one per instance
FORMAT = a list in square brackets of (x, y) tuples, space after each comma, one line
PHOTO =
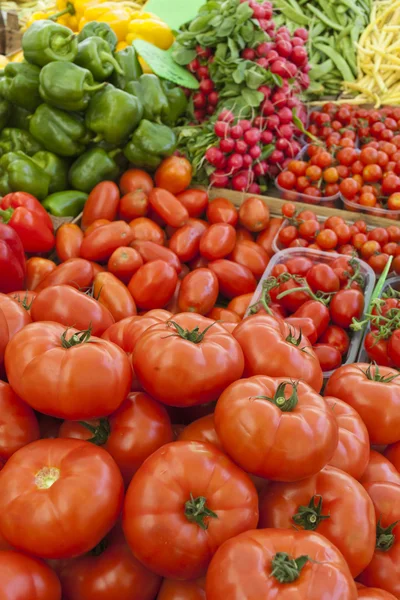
[(10, 33)]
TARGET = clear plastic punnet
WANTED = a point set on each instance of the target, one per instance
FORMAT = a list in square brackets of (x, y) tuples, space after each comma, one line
[(370, 210)]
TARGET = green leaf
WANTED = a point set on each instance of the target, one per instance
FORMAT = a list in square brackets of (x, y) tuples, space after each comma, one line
[(277, 79), (233, 48), (175, 12), (238, 75), (226, 28), (247, 32), (252, 97), (181, 55), (267, 151), (221, 51), (243, 13), (254, 79)]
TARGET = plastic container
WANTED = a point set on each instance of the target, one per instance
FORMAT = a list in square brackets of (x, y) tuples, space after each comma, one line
[(322, 257), (370, 210), (393, 282), (294, 196)]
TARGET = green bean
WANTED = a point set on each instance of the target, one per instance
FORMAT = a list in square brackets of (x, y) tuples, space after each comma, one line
[(291, 14), (322, 69), (339, 61)]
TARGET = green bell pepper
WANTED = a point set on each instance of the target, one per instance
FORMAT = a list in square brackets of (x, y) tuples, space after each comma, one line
[(102, 30), (46, 42), (113, 115), (149, 91), (18, 140), (91, 168), (5, 112), (129, 63), (20, 118), (65, 204), (94, 54), (19, 173), (177, 103), (55, 167), (59, 132), (20, 85), (67, 86), (149, 144)]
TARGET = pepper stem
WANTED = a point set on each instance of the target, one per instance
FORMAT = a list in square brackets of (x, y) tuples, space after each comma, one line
[(69, 10), (6, 215), (80, 337), (195, 335), (100, 432), (196, 511), (279, 399), (94, 88), (60, 42), (109, 58), (385, 537), (309, 517), (286, 569)]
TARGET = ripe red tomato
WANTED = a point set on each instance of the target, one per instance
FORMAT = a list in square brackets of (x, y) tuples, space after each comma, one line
[(254, 214), (329, 357), (225, 315), (234, 279), (298, 265), (19, 423), (168, 207), (292, 357), (251, 255), (330, 502), (317, 312), (101, 243), (240, 304), (345, 306), (321, 277), (37, 269), (126, 333), (24, 577), (44, 356), (327, 239), (324, 575), (16, 316), (135, 180), (195, 201), (365, 593), (133, 205), (185, 242), (198, 292), (380, 468), (217, 241), (124, 262), (184, 590), (150, 251), (221, 210), (202, 430), (42, 479), (153, 284), (174, 174), (74, 271), (69, 239), (337, 337), (392, 453), (257, 434), (209, 500), (102, 203), (182, 353), (359, 385), (146, 229), (377, 350)]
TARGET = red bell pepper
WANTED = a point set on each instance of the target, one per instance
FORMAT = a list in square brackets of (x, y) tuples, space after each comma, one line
[(32, 229), (16, 199), (12, 261)]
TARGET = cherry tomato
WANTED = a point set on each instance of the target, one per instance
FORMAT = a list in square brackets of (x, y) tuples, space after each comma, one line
[(329, 357), (337, 337), (321, 277), (287, 235), (289, 209), (327, 239), (349, 188), (309, 229), (286, 180), (298, 265)]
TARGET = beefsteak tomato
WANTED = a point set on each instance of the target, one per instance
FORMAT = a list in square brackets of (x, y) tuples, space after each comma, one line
[(25, 577)]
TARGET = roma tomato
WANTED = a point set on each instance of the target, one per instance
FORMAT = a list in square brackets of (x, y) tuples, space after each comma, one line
[(201, 430), (168, 207), (221, 210), (219, 313), (40, 483), (74, 271), (322, 278), (135, 180), (19, 423), (133, 205), (110, 571), (257, 434), (145, 229), (392, 453), (101, 243), (298, 265), (383, 570), (267, 237), (102, 203), (330, 502), (254, 214), (151, 251), (67, 306), (137, 429), (153, 284), (337, 337), (15, 314), (113, 296), (69, 239), (329, 357), (320, 571), (360, 385), (124, 262), (240, 304), (209, 500), (198, 292), (317, 312), (380, 468), (271, 347), (234, 279), (352, 452), (185, 242), (217, 241), (252, 256), (24, 577), (37, 269), (95, 225), (345, 306), (186, 361), (183, 590), (174, 174), (82, 380), (195, 201)]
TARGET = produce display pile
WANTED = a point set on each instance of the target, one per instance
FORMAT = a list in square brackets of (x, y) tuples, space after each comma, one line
[(199, 386)]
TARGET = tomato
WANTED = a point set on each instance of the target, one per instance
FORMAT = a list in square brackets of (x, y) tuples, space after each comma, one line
[(174, 174), (234, 279), (82, 380), (153, 284), (195, 201), (327, 239), (43, 479), (394, 233), (137, 429), (330, 502), (183, 590), (309, 229), (168, 207), (217, 241), (4, 337), (101, 243), (145, 229), (380, 468), (150, 251), (182, 353), (221, 210), (185, 242), (15, 314), (287, 235), (349, 187), (345, 306), (298, 167), (110, 571), (337, 337), (305, 325), (240, 304), (69, 239), (102, 203), (133, 205), (368, 156), (329, 357), (126, 333), (267, 237), (135, 180), (235, 571), (95, 225), (394, 201), (393, 348), (286, 180), (252, 256), (359, 385), (254, 214), (293, 300), (222, 314), (209, 500), (298, 265), (76, 272), (124, 262), (24, 577), (37, 269), (198, 292), (202, 430), (257, 434), (19, 423), (374, 594), (392, 453), (114, 296), (321, 277), (317, 312), (383, 570)]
